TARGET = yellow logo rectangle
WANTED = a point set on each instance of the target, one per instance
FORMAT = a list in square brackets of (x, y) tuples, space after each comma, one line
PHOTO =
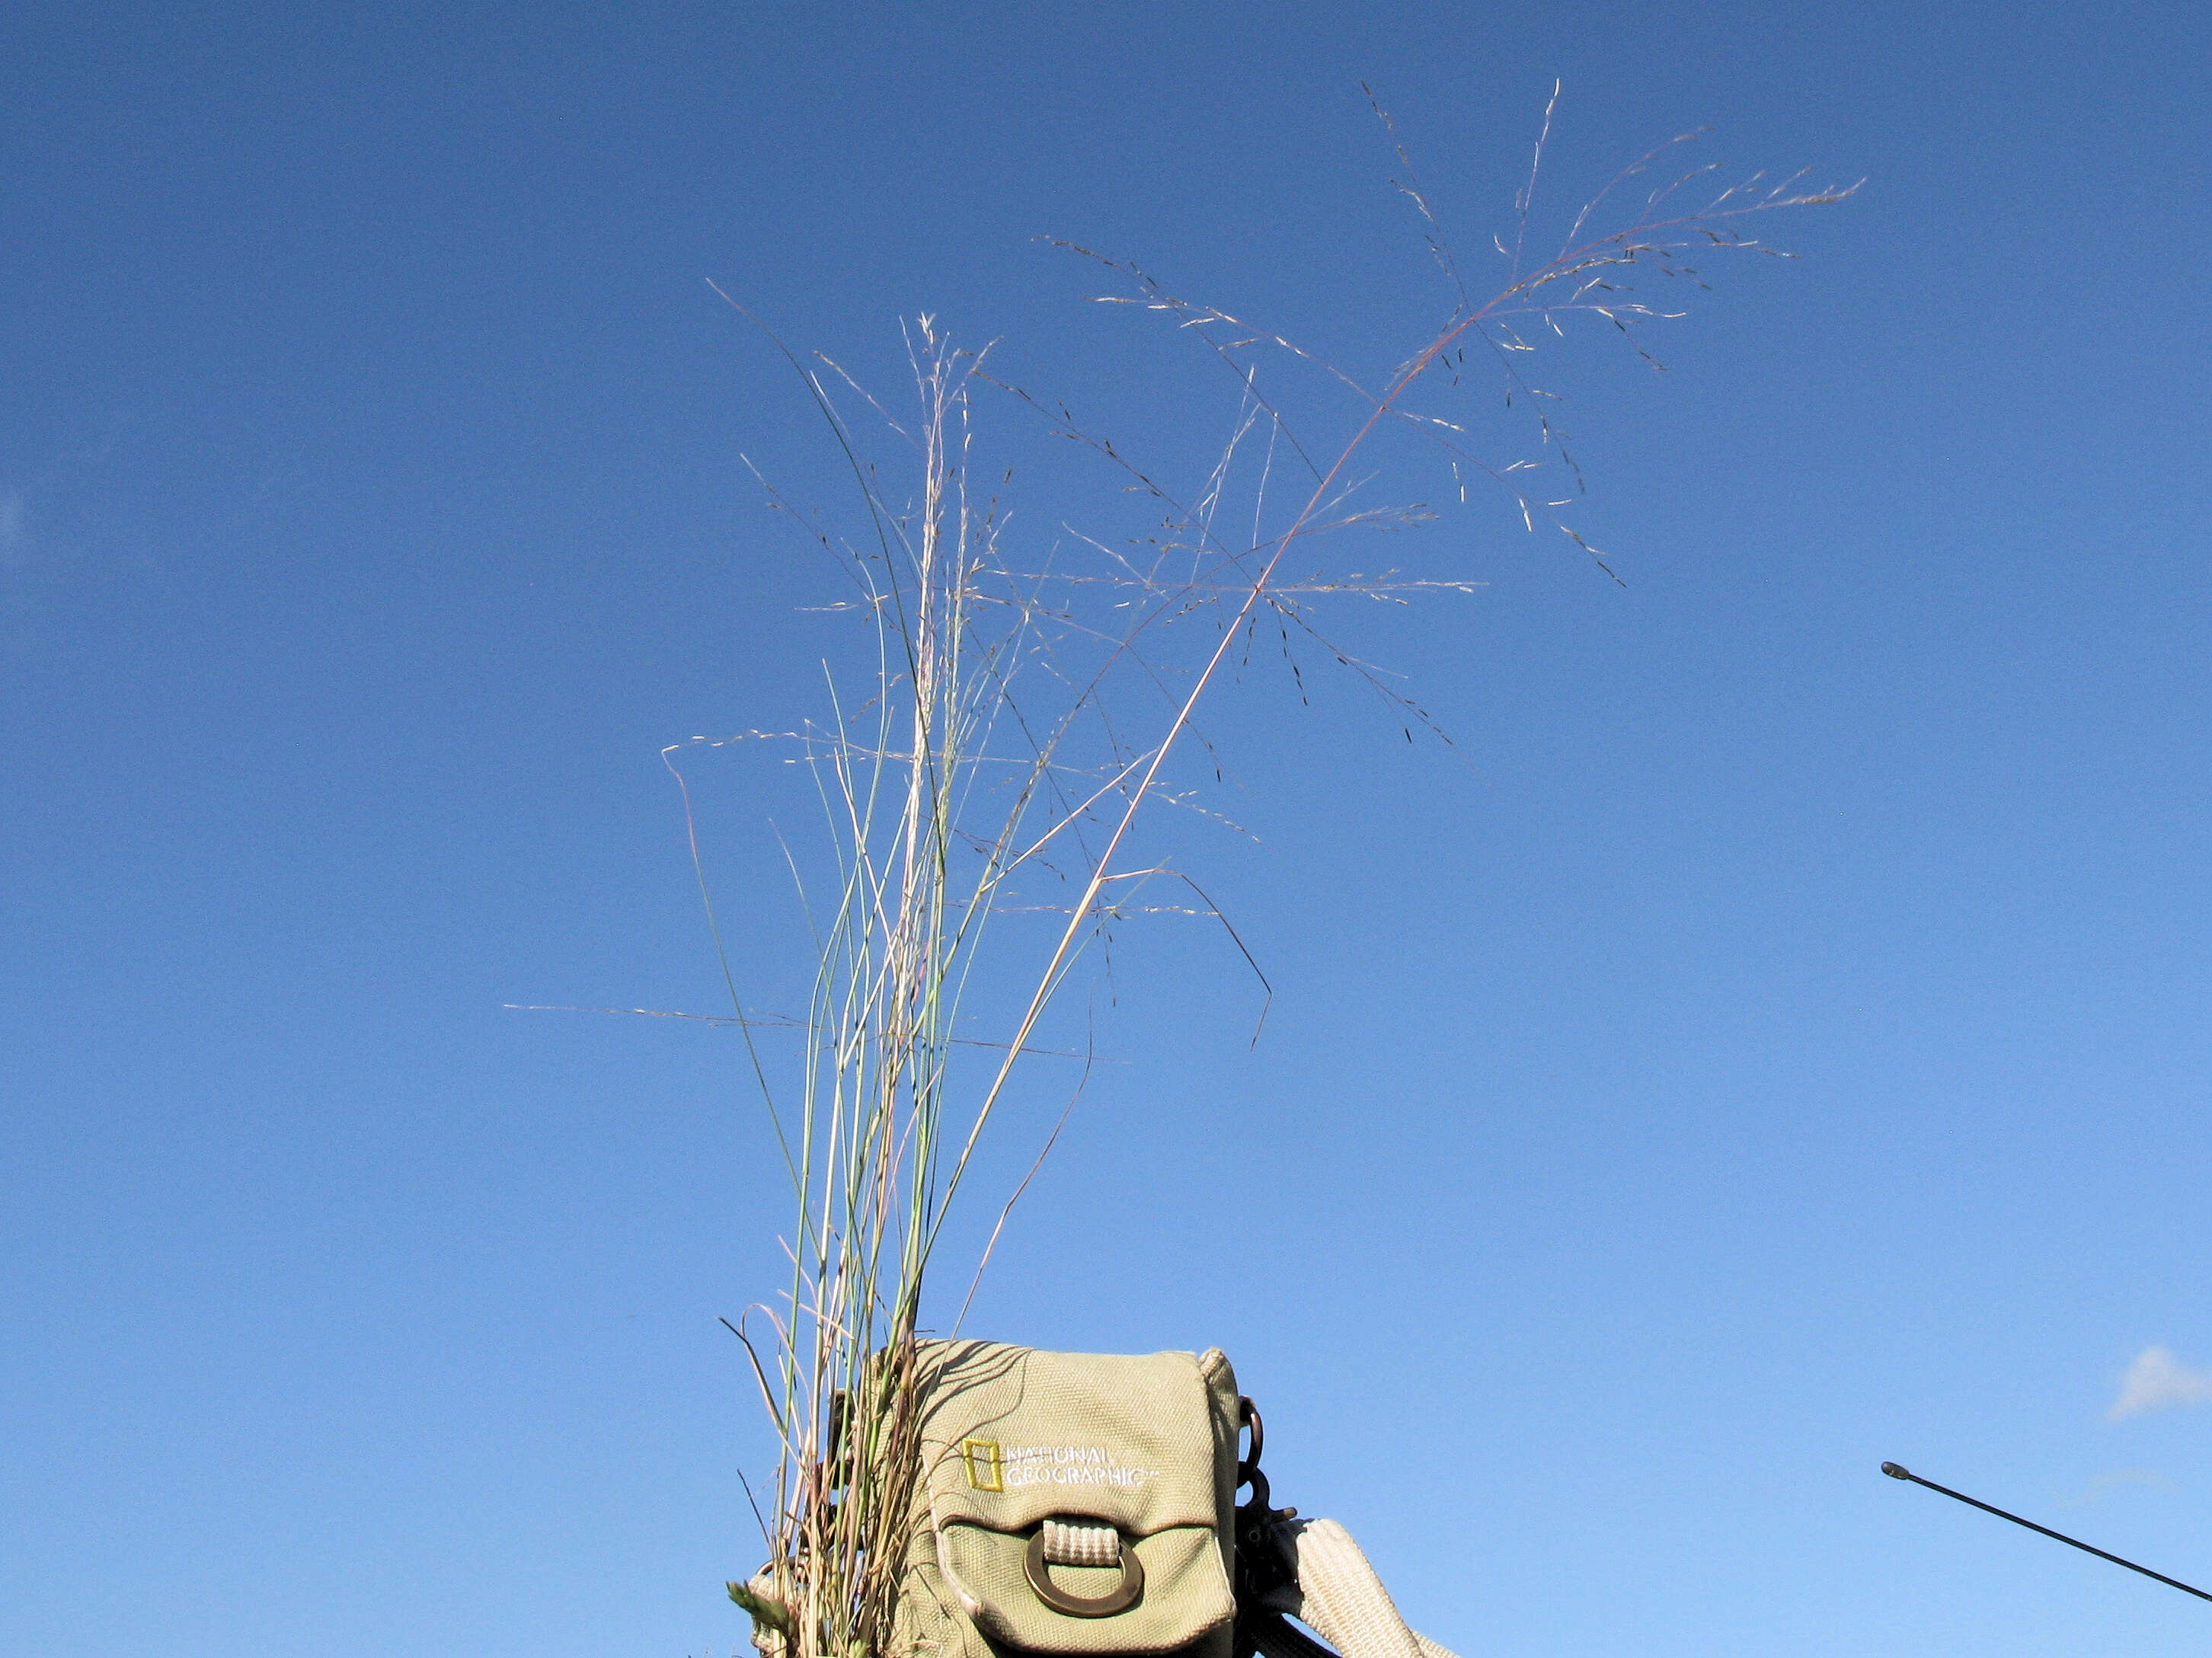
[(986, 1472)]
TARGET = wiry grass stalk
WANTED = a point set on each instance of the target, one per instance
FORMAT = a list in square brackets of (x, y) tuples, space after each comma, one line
[(987, 751)]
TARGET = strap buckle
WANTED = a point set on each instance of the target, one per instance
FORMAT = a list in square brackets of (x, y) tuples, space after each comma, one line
[(1260, 1568)]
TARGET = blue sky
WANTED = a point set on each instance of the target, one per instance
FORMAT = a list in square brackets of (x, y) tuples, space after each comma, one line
[(1775, 1042)]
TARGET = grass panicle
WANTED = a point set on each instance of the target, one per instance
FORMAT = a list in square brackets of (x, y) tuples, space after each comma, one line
[(1021, 712)]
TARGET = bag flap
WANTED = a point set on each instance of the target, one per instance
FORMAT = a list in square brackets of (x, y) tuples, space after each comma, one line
[(1011, 1437)]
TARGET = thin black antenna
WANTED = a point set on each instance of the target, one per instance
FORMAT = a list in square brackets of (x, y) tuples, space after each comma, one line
[(1895, 1472)]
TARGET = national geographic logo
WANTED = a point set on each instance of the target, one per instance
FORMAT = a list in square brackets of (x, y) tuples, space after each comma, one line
[(995, 1467)]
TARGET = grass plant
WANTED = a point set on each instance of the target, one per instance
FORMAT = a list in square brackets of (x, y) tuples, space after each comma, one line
[(1021, 714)]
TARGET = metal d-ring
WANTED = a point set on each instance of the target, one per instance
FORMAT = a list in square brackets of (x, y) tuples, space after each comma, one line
[(1248, 1415), (1076, 1605)]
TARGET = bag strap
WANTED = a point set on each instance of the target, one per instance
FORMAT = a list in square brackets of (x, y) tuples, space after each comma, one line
[(1333, 1591)]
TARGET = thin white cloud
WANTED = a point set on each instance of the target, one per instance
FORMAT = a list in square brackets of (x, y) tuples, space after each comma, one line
[(2157, 1381), (2105, 1484)]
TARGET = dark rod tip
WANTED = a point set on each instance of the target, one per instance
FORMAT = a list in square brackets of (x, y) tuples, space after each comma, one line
[(1895, 1472)]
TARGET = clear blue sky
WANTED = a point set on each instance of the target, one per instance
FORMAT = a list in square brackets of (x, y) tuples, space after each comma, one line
[(1784, 1045)]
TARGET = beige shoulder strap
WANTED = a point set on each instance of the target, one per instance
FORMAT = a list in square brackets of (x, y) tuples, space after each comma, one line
[(1337, 1594)]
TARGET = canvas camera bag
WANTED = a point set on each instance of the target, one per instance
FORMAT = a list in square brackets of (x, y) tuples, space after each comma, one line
[(1084, 1504)]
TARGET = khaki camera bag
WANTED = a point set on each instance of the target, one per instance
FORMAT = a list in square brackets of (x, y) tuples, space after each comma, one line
[(1081, 1505)]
